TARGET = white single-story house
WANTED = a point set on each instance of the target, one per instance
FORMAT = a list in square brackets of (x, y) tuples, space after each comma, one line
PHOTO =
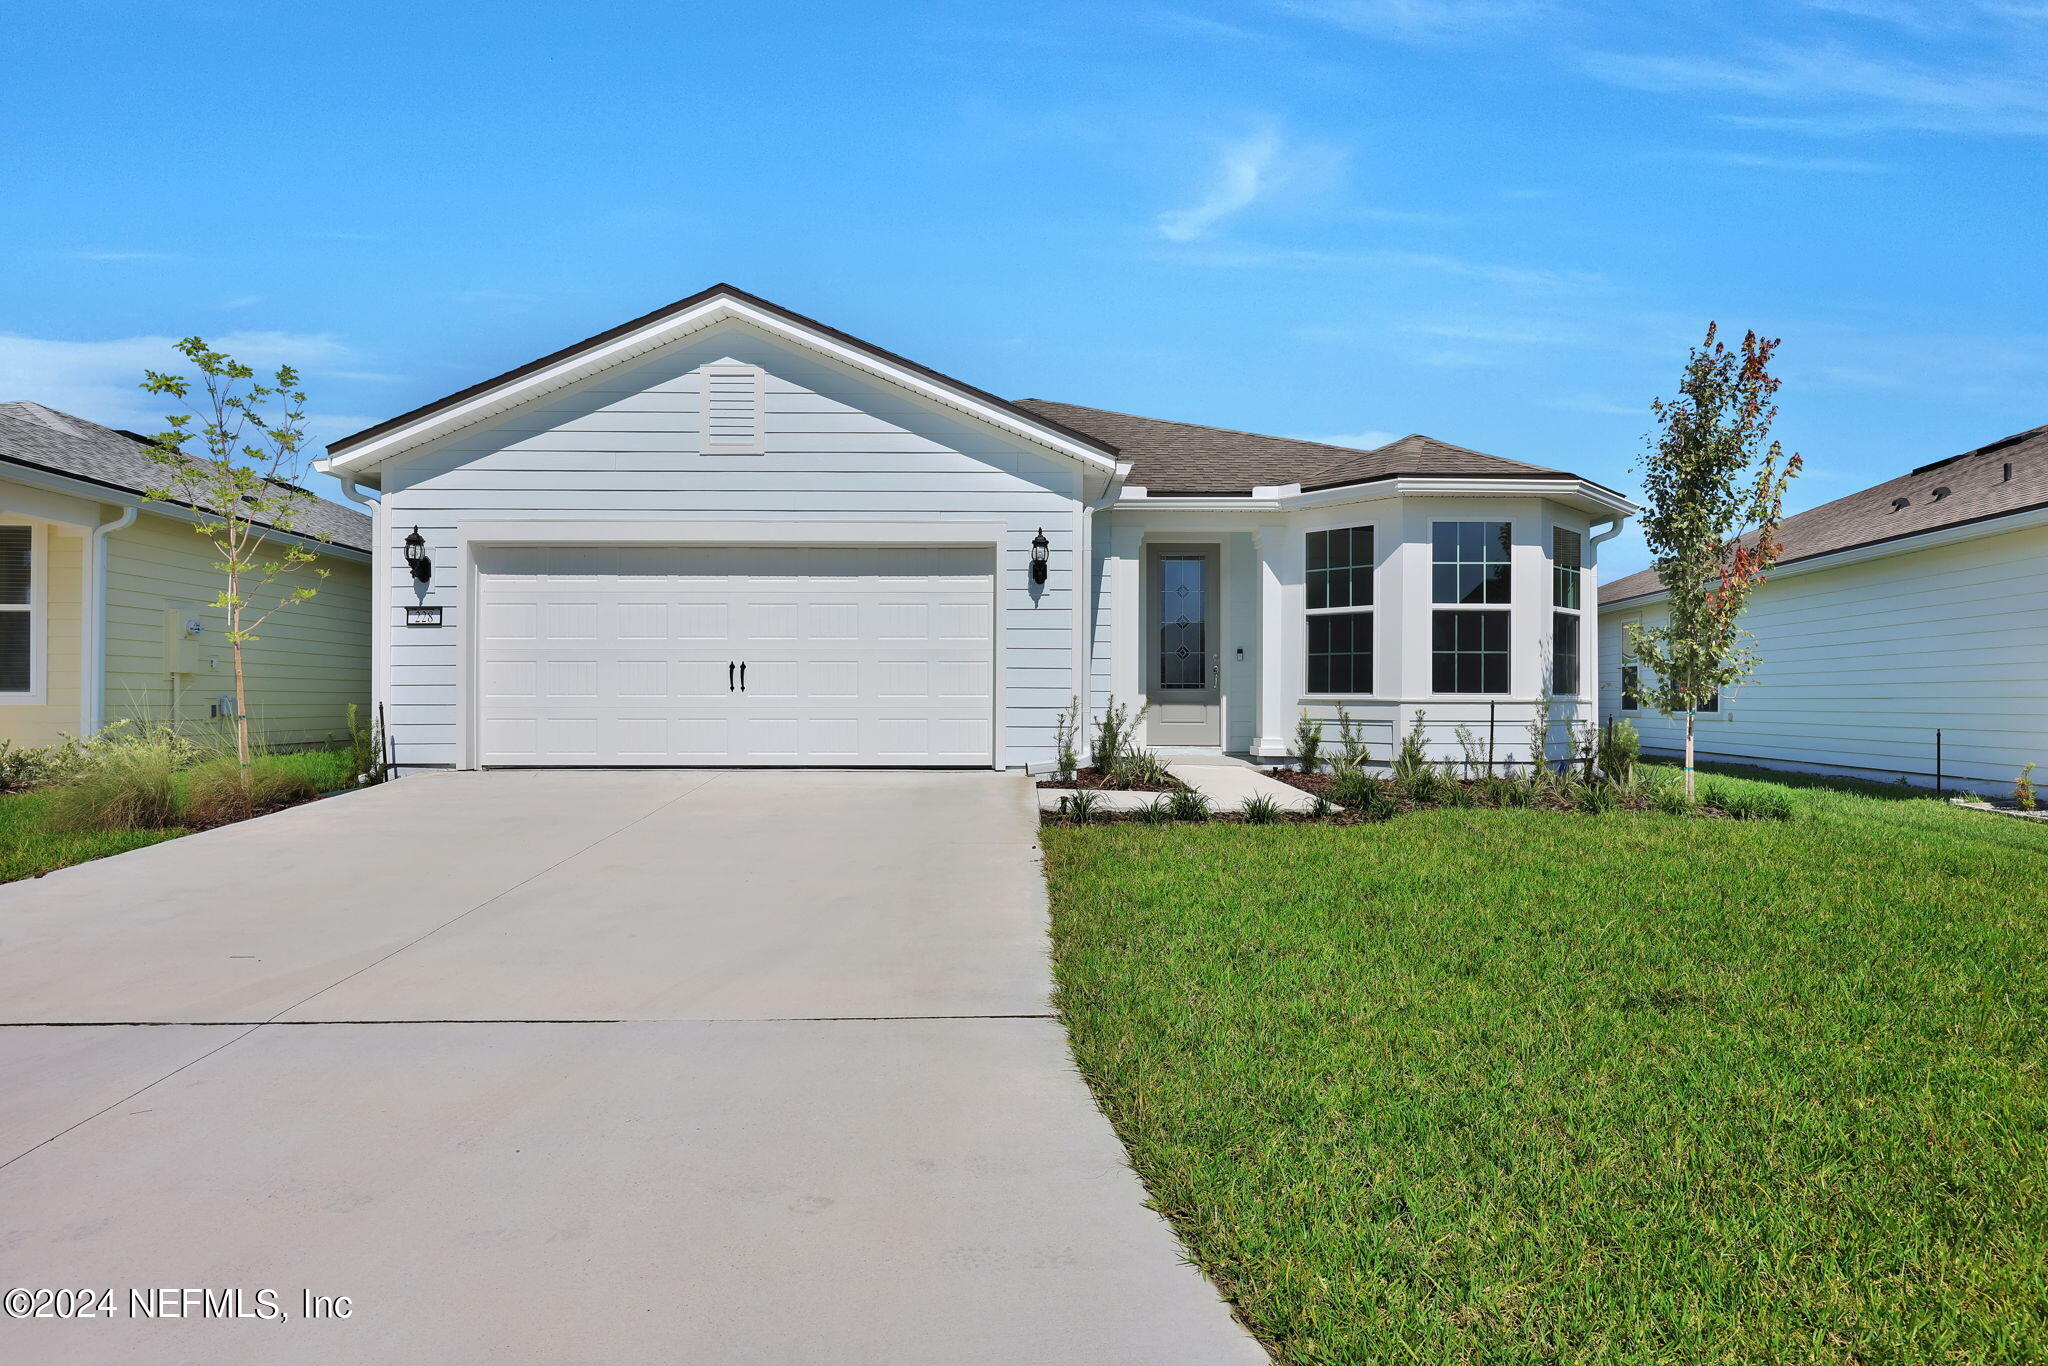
[(105, 600), (1915, 608), (726, 534)]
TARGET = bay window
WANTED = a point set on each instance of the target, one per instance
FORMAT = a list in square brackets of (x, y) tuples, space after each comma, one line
[(1471, 566), (1338, 584)]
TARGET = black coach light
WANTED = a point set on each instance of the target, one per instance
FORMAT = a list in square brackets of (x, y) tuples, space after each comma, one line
[(416, 556), (1041, 556)]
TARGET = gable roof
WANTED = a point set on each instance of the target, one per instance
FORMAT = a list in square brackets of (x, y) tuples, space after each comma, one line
[(60, 443), (1182, 458), (1995, 480), (533, 370)]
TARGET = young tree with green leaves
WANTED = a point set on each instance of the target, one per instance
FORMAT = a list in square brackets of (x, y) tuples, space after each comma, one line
[(243, 481), (1714, 483)]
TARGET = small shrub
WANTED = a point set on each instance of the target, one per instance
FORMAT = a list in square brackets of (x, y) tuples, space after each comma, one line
[(25, 768), (1425, 786), (1412, 757), (1158, 812), (366, 747), (1080, 807), (1597, 799), (1308, 743), (1670, 798), (131, 785), (1139, 768), (1621, 751), (1116, 733), (1354, 787), (1474, 752), (1499, 790), (2023, 789), (1453, 792), (1066, 734), (1188, 805), (221, 790), (1260, 810), (1351, 741), (1320, 808)]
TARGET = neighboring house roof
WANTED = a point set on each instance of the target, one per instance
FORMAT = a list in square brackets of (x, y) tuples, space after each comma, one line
[(2007, 476), (1182, 458), (345, 444), (45, 439)]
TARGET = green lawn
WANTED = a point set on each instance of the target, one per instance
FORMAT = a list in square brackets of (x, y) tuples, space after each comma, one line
[(28, 850), (1514, 1086)]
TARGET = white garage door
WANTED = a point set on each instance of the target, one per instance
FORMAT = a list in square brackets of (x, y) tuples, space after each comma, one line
[(736, 655)]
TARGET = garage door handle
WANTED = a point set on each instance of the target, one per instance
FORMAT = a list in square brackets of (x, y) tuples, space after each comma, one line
[(743, 675), (728, 675)]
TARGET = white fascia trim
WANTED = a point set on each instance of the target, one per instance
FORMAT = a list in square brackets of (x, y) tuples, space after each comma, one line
[(102, 493), (1577, 491), (727, 531), (1926, 540), (1287, 498), (619, 350)]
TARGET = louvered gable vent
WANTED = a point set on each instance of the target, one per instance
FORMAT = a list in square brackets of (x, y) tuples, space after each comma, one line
[(732, 409)]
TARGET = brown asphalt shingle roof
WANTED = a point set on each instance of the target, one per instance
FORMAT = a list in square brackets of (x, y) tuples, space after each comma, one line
[(62, 443), (1182, 458), (2006, 476)]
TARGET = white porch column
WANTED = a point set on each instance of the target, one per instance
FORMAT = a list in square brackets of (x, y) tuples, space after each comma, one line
[(1278, 689), (1123, 577)]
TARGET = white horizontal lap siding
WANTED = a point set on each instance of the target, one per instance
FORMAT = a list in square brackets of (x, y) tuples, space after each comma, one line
[(833, 446), (1861, 663)]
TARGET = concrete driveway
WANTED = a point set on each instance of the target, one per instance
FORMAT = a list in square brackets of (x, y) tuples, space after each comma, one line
[(690, 1067)]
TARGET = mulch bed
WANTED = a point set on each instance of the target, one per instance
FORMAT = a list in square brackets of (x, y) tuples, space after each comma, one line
[(1093, 779)]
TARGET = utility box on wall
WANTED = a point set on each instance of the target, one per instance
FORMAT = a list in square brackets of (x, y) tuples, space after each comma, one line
[(189, 647)]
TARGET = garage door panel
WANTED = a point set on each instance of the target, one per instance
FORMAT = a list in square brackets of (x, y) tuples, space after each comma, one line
[(854, 655)]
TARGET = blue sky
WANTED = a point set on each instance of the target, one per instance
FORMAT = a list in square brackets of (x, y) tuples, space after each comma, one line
[(1500, 222)]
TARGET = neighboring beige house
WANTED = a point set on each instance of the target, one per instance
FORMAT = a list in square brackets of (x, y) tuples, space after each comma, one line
[(104, 600)]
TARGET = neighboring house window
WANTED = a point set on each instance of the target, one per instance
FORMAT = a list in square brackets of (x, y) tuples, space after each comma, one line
[(732, 410), (1564, 653), (1631, 687), (1339, 583), (18, 625), (1471, 565), (1565, 567), (1471, 651), (1713, 702)]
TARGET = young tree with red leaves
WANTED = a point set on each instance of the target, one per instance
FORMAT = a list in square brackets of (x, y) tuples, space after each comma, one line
[(1715, 489)]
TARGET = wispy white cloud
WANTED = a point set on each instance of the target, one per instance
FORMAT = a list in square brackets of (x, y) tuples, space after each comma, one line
[(1802, 165), (1363, 441), (101, 379), (1244, 171), (1422, 21), (1845, 90), (117, 255)]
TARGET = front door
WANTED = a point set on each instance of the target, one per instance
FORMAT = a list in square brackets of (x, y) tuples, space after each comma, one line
[(1183, 660)]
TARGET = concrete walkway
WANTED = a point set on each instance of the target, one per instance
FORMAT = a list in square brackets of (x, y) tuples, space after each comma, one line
[(1226, 781), (602, 1066)]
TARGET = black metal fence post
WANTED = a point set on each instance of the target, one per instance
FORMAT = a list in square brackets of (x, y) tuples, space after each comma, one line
[(1938, 785)]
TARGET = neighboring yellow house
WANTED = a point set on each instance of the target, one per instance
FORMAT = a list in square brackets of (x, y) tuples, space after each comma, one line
[(104, 601)]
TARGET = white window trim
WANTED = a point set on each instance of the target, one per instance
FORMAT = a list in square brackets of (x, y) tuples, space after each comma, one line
[(38, 616), (1371, 609)]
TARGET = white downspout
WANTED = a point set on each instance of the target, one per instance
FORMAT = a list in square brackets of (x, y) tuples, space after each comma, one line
[(380, 598), (92, 635), (1589, 648), (1084, 570)]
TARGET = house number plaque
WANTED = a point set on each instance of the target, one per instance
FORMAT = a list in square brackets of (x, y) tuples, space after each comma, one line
[(422, 616)]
